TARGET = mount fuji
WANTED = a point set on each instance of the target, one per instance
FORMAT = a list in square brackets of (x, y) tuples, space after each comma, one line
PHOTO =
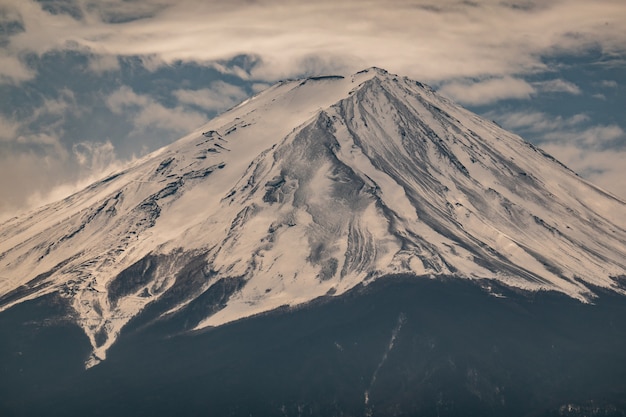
[(311, 191)]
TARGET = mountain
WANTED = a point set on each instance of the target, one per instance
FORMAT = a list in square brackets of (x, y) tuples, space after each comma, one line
[(337, 246), (310, 189)]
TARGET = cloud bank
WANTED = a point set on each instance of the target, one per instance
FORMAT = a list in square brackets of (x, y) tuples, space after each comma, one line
[(429, 40), (476, 52)]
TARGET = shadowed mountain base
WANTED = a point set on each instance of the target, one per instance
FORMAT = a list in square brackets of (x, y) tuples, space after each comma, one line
[(399, 347)]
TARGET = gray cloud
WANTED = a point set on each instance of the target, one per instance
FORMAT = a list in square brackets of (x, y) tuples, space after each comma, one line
[(120, 11)]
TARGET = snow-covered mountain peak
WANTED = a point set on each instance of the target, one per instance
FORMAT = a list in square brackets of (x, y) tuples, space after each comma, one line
[(308, 189)]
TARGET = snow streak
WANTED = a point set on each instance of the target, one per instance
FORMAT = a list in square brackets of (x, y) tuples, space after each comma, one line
[(394, 335)]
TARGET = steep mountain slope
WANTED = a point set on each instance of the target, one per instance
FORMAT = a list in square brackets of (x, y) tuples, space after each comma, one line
[(308, 189)]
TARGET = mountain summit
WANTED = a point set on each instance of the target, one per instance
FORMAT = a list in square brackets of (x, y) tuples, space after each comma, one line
[(308, 189)]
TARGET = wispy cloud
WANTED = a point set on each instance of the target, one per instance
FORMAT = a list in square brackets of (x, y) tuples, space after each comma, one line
[(491, 90), (258, 87), (597, 152), (95, 156), (8, 129), (33, 168), (36, 164), (595, 137), (558, 129), (608, 83), (30, 178), (604, 168), (219, 96), (145, 112), (59, 187), (103, 63), (487, 91), (535, 121), (557, 86)]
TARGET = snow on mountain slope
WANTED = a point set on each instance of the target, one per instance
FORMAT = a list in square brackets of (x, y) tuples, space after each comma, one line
[(308, 189)]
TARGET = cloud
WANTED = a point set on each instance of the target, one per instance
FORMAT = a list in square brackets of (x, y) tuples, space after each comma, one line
[(559, 130), (33, 164), (12, 70), (36, 162), (120, 11), (146, 112), (455, 39), (69, 7), (492, 90), (557, 86), (595, 137), (535, 121), (42, 139), (240, 70), (596, 152), (8, 129), (94, 156), (447, 42), (64, 103), (258, 87), (29, 179), (608, 84), (103, 63), (21, 171), (62, 188), (41, 130), (487, 91), (604, 168), (219, 96), (125, 97)]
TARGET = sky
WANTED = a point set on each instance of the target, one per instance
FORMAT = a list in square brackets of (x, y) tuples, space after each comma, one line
[(87, 86)]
